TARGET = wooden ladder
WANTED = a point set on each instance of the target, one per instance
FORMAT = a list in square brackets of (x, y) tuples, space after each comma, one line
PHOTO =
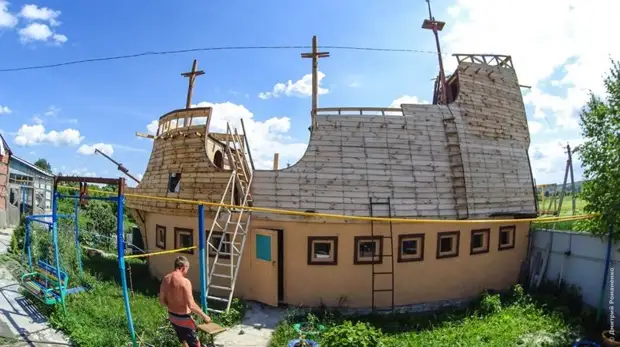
[(457, 169), (230, 225), (387, 275)]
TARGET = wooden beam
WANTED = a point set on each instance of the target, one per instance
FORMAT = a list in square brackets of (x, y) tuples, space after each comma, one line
[(276, 157), (147, 136), (191, 76), (315, 55)]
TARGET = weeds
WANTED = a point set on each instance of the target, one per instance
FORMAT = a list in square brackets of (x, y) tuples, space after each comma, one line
[(507, 319)]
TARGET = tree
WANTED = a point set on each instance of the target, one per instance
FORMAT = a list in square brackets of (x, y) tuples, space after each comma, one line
[(44, 165), (600, 154)]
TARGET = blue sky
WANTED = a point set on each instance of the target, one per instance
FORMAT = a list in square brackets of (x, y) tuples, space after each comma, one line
[(60, 113)]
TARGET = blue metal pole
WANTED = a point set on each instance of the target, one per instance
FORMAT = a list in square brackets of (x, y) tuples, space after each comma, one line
[(78, 251), (27, 243), (56, 252), (120, 240), (201, 257)]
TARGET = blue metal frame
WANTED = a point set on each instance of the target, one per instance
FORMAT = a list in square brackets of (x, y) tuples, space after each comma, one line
[(201, 257), (76, 208), (56, 253), (120, 242)]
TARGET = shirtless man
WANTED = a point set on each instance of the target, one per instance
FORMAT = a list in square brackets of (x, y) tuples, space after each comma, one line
[(176, 294)]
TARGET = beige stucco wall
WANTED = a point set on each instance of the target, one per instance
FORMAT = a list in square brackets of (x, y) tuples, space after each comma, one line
[(414, 282)]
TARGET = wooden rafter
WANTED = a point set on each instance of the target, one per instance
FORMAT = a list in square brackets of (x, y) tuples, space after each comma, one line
[(488, 59)]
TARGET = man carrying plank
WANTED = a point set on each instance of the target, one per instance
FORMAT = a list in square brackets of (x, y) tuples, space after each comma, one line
[(176, 294)]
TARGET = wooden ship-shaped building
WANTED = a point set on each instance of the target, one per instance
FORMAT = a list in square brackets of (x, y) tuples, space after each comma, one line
[(463, 157)]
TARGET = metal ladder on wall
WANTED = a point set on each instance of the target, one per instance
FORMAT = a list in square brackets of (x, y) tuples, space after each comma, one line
[(456, 168), (382, 274), (231, 223)]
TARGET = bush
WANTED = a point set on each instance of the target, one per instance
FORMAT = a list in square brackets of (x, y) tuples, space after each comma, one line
[(490, 303), (349, 335)]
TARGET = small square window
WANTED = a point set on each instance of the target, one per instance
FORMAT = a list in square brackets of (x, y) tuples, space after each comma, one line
[(174, 182), (322, 250), (447, 244), (216, 239), (184, 238), (368, 250), (160, 236), (411, 247), (479, 241), (506, 237)]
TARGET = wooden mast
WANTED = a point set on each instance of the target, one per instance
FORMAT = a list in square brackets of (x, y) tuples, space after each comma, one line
[(436, 27), (315, 55), (192, 76)]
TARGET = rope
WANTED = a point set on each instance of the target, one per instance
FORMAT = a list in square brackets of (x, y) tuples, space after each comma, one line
[(340, 216)]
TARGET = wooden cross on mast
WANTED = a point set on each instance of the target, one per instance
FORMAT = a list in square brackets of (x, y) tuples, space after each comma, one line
[(315, 55), (192, 76)]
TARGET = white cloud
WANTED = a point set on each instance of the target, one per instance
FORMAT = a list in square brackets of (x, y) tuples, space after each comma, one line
[(32, 12), (5, 110), (300, 88), (7, 19), (548, 160), (52, 111), (566, 42), (535, 127), (37, 120), (82, 172), (265, 137), (30, 135), (407, 99), (152, 127), (40, 32), (90, 149)]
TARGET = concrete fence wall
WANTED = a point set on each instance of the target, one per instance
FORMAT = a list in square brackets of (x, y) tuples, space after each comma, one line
[(583, 267)]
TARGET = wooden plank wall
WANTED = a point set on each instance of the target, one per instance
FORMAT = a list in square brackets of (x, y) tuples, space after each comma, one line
[(179, 152), (495, 140), (350, 158)]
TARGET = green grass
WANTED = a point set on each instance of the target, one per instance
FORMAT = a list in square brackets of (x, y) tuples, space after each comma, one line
[(514, 320), (97, 318), (566, 210), (567, 205)]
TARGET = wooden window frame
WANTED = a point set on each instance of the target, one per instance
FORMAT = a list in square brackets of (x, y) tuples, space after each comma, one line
[(402, 258), (224, 237), (356, 243), (157, 229), (486, 237), (312, 240), (454, 234), (177, 233), (512, 233)]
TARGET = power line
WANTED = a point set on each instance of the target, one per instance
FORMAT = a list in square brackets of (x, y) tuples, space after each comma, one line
[(226, 48)]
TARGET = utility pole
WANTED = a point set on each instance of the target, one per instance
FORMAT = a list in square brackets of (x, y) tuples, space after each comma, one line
[(572, 175)]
